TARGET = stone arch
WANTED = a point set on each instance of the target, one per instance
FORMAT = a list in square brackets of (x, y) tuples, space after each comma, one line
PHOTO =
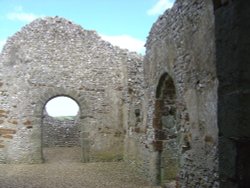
[(164, 125), (60, 135), (36, 66), (51, 93), (55, 92)]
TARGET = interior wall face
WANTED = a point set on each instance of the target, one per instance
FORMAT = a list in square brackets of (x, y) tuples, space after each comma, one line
[(203, 47), (181, 44), (232, 62), (52, 57), (166, 129)]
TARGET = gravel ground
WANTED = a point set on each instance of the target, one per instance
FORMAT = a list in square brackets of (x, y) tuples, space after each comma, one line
[(66, 173)]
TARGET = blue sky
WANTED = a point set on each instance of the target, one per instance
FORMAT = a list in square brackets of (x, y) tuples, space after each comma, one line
[(125, 23)]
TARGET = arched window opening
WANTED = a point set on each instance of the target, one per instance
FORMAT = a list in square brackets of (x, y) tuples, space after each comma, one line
[(60, 130), (164, 124), (62, 107)]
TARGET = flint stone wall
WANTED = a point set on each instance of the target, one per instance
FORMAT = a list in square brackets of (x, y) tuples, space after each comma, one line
[(60, 132), (181, 43), (53, 57)]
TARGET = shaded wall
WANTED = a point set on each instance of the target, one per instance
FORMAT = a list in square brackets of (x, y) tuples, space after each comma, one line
[(181, 44), (233, 68)]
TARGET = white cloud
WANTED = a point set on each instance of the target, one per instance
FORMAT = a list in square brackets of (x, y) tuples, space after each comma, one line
[(19, 15), (2, 43), (24, 17), (160, 7), (126, 41)]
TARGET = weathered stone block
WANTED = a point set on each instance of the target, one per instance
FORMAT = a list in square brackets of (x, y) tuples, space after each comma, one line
[(7, 131), (160, 134), (2, 111), (27, 122), (158, 145), (14, 122), (7, 136), (157, 122)]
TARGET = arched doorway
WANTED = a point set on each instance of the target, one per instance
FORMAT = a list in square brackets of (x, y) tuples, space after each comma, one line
[(166, 135), (60, 130)]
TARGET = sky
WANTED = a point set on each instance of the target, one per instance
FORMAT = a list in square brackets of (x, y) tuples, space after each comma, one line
[(124, 23), (62, 106)]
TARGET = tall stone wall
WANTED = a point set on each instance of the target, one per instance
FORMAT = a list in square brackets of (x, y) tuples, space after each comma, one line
[(53, 57), (232, 28), (163, 112), (181, 47)]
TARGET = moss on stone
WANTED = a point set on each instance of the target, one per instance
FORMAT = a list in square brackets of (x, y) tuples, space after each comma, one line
[(106, 156)]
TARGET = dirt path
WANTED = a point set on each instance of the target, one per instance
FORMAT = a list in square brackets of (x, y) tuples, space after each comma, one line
[(70, 174)]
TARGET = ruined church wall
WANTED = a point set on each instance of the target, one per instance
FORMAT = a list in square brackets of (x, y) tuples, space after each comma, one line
[(53, 57), (181, 44)]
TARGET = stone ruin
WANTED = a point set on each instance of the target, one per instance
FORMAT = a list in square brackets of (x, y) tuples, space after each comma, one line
[(180, 114), (52, 57)]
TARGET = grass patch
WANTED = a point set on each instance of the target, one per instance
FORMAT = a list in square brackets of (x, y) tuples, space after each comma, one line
[(61, 118)]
